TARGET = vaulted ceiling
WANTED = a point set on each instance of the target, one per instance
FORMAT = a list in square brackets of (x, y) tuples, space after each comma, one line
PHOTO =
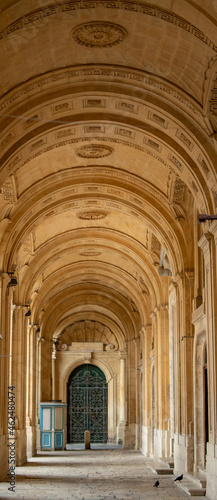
[(108, 143)]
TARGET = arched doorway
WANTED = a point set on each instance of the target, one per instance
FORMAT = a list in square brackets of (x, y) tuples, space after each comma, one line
[(87, 398)]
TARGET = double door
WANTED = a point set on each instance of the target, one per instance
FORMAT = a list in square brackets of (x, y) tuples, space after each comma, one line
[(87, 405)]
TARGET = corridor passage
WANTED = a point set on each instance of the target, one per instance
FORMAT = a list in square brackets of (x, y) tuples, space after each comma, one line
[(91, 475)]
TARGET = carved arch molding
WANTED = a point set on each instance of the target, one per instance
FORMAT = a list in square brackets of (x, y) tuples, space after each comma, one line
[(88, 331)]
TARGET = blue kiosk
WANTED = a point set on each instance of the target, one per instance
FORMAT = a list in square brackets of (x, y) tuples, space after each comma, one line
[(53, 425)]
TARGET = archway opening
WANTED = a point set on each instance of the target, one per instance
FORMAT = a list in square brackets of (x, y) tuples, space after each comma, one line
[(87, 398)]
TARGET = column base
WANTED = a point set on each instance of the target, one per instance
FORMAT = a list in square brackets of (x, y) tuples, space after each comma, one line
[(21, 457), (161, 443), (31, 441), (211, 471), (146, 441), (183, 453), (121, 432)]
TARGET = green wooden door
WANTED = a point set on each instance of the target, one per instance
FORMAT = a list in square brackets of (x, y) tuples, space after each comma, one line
[(87, 405)]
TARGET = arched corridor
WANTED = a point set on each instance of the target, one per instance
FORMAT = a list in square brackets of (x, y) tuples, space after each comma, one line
[(108, 229)]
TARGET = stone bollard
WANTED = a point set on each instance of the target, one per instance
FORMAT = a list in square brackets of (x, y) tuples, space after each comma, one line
[(87, 440)]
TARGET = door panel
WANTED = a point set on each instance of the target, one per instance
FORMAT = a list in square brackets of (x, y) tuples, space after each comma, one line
[(87, 405)]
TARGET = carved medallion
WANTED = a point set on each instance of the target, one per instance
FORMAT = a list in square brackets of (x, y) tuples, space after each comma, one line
[(99, 34), (94, 151), (92, 215)]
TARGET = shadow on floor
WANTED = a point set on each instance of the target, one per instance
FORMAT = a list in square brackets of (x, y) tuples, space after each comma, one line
[(94, 446)]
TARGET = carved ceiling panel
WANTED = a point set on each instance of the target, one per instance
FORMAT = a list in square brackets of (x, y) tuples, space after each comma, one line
[(89, 331)]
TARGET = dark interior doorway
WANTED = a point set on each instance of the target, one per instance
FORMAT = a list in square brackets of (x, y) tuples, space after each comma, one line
[(206, 416)]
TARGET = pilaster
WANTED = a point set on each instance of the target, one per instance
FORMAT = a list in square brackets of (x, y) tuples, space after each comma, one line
[(18, 379), (183, 372), (208, 243)]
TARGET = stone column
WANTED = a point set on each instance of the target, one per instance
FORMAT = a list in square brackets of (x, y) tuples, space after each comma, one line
[(146, 336), (208, 243), (18, 379), (122, 398), (53, 372), (31, 391), (154, 372), (122, 412), (5, 303), (172, 339), (40, 341), (162, 434), (183, 372), (160, 414)]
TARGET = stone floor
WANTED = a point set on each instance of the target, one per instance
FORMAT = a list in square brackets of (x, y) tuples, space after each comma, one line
[(91, 475)]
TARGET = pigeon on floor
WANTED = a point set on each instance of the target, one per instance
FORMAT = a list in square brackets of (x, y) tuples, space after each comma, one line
[(156, 484), (179, 478)]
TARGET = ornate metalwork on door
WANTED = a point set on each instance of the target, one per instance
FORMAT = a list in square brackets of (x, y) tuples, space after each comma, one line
[(87, 405)]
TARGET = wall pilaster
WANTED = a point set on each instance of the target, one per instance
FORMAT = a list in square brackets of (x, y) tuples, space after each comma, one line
[(18, 379), (5, 301), (146, 339), (208, 243), (183, 373)]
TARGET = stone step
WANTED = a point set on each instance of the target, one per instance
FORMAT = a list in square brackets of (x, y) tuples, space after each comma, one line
[(198, 478), (191, 488), (168, 460), (164, 470), (160, 468)]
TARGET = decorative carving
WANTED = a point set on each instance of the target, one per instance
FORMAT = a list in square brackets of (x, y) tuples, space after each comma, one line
[(60, 107), (94, 103), (175, 161), (6, 141), (7, 191), (31, 121), (164, 266), (110, 347), (91, 129), (64, 347), (158, 119), (155, 244), (88, 331), (204, 165), (87, 357), (142, 8), (178, 191), (126, 106), (125, 132), (63, 133), (94, 151), (184, 139), (90, 254), (143, 286), (38, 144), (69, 74), (92, 215), (98, 34), (152, 143)]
